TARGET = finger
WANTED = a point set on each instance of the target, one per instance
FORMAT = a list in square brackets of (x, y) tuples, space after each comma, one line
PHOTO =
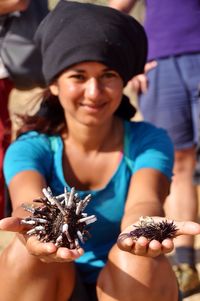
[(52, 258), (155, 248), (141, 246), (167, 246), (139, 84), (125, 244), (69, 255), (12, 224), (143, 84), (37, 248), (150, 65), (63, 255), (135, 85), (187, 228)]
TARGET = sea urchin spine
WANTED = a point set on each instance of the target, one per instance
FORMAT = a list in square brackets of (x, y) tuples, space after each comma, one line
[(59, 219)]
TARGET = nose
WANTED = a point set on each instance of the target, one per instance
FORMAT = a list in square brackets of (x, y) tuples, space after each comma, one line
[(93, 88)]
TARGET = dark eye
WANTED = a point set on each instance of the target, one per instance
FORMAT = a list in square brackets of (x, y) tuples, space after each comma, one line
[(78, 76), (110, 74)]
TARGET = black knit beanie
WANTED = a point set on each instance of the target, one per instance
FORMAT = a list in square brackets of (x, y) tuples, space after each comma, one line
[(76, 32)]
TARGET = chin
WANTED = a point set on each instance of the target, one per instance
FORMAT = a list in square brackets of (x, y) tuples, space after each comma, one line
[(92, 121)]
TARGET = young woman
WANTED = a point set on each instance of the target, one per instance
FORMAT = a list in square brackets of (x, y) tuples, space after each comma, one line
[(80, 138)]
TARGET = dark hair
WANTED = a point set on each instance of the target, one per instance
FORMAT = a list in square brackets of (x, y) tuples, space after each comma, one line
[(50, 119)]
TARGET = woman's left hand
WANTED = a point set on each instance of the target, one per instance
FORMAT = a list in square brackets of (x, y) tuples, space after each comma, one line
[(151, 248)]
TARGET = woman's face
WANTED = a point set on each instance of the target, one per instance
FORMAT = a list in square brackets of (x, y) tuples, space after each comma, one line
[(89, 92)]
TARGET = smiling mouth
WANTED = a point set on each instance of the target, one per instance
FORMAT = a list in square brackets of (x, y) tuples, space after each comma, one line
[(93, 107)]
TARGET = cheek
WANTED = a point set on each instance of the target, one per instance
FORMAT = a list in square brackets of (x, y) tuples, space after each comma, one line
[(117, 97), (117, 90), (69, 95)]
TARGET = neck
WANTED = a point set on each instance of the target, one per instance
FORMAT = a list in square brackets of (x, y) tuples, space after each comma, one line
[(92, 138)]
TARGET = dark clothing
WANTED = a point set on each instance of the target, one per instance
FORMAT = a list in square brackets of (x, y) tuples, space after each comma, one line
[(114, 39), (5, 130)]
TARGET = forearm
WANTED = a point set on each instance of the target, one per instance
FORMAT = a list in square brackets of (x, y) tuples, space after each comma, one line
[(147, 193), (9, 6), (24, 188), (141, 209), (122, 5)]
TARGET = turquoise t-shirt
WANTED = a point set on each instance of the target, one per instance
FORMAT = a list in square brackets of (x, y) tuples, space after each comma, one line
[(145, 146)]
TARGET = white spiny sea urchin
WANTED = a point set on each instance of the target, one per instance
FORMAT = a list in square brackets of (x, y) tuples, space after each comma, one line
[(59, 219)]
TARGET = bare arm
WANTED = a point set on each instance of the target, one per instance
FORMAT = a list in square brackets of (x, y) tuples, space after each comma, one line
[(9, 6), (122, 5), (147, 193), (23, 188)]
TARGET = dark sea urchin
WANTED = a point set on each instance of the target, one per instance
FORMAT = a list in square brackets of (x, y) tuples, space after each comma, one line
[(148, 228), (59, 219)]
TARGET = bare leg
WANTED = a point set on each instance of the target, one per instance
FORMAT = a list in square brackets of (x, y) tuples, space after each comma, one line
[(128, 277), (23, 277), (182, 203)]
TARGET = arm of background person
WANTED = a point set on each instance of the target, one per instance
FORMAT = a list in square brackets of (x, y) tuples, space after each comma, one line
[(122, 5), (9, 6), (139, 83)]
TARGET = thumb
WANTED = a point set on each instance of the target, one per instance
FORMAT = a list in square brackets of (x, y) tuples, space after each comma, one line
[(12, 224), (187, 228)]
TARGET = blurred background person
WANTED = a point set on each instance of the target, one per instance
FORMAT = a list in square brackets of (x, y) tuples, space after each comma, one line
[(18, 62), (169, 99)]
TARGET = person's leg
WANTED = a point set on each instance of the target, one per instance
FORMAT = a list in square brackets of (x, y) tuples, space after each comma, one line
[(196, 176), (5, 133), (128, 277), (183, 193), (185, 162), (23, 277), (168, 104)]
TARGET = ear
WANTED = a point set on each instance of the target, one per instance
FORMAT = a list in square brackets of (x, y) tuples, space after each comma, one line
[(54, 89)]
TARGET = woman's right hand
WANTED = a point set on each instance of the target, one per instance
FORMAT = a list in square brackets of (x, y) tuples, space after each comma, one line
[(46, 252)]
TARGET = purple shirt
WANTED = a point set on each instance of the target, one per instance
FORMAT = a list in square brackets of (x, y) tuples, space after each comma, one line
[(173, 27)]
